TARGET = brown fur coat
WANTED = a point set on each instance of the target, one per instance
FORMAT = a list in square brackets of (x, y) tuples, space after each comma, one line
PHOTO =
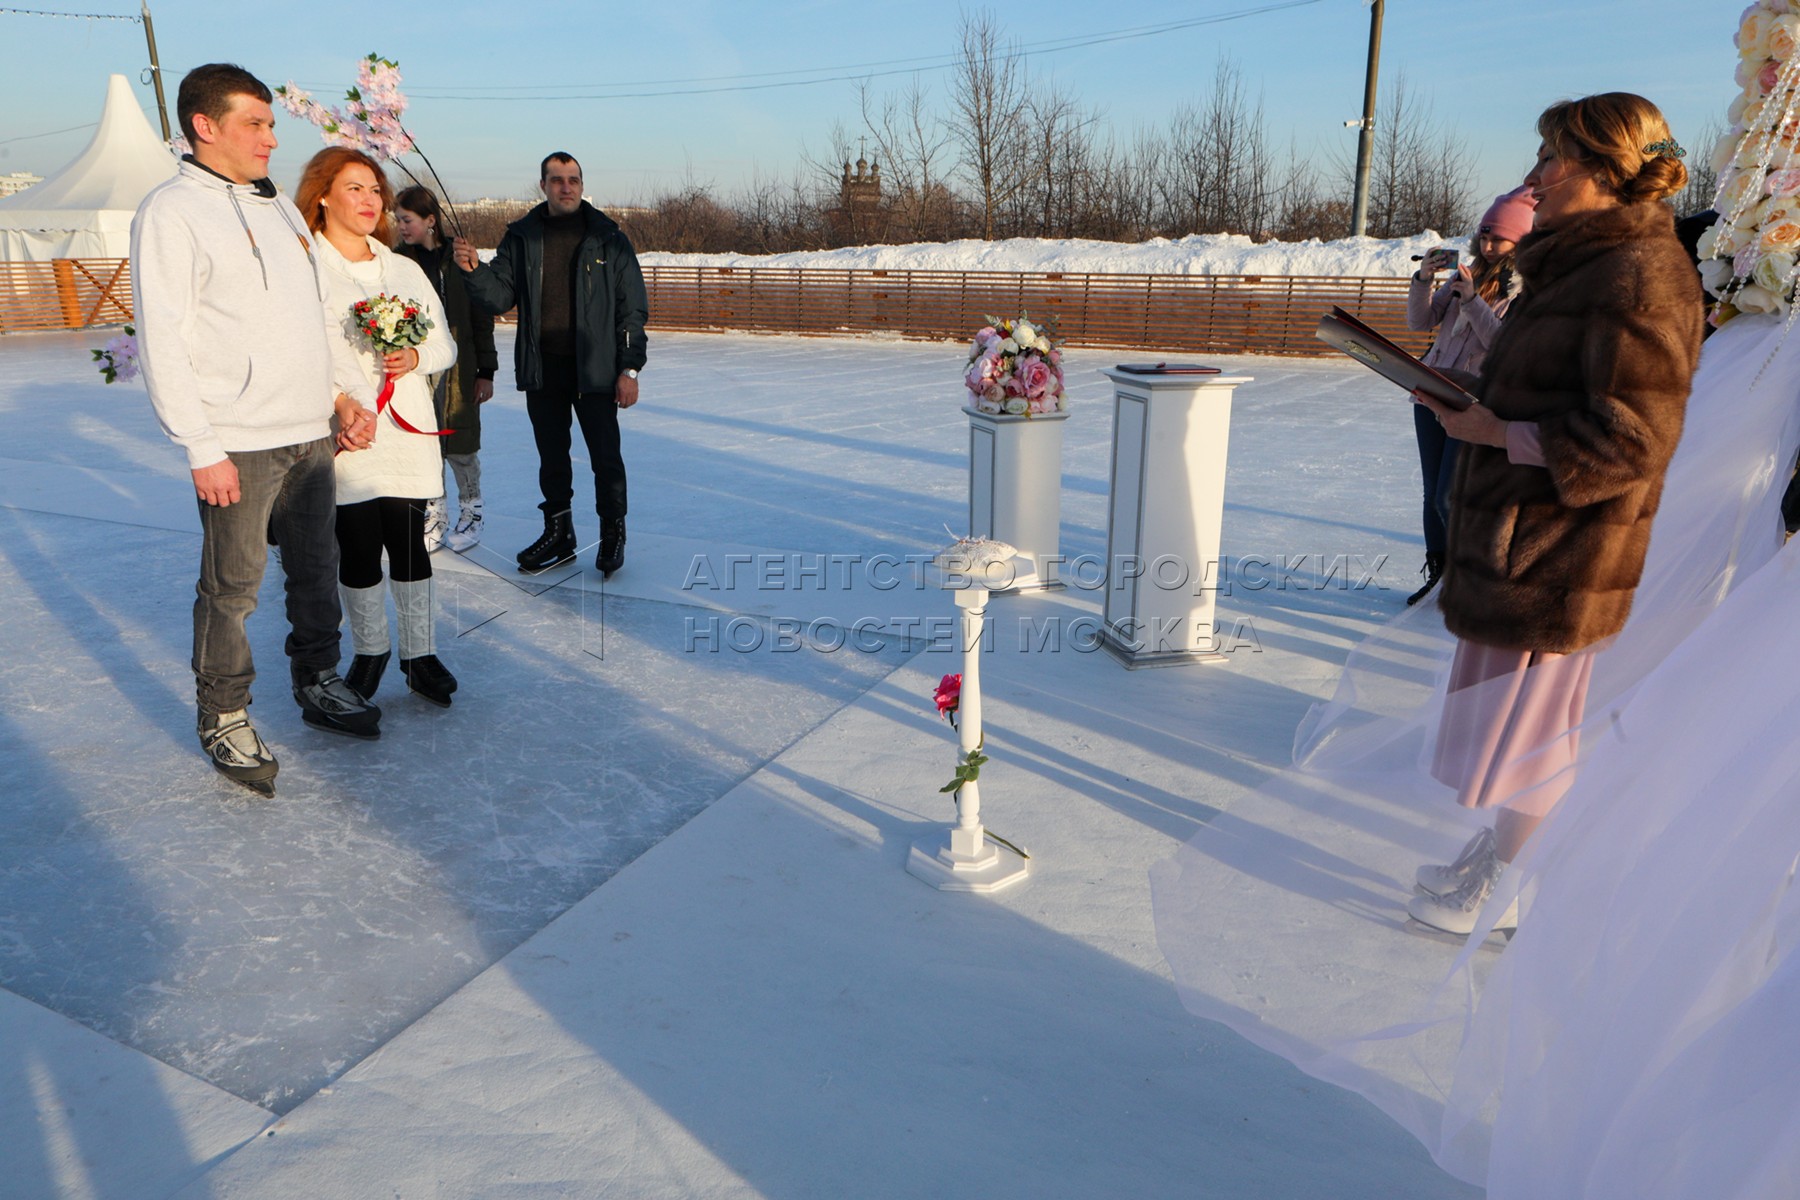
[(1599, 351)]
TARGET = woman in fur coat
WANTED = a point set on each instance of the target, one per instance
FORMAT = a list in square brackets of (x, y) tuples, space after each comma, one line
[(1582, 400)]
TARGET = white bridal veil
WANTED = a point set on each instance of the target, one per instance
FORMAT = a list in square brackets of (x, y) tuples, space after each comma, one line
[(1323, 967)]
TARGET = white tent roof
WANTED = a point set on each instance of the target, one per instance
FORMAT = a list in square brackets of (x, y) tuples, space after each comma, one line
[(85, 209)]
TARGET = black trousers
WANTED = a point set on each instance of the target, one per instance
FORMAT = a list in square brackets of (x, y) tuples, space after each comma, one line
[(552, 409), (391, 523)]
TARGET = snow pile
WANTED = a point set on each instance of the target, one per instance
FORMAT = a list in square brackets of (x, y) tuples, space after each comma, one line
[(1196, 254)]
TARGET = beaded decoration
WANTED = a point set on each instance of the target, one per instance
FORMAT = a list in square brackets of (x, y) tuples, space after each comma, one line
[(1751, 256)]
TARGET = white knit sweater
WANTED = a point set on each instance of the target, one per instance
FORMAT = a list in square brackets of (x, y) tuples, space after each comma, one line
[(227, 303), (399, 463)]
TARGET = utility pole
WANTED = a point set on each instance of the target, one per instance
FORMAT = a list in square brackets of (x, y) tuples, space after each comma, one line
[(162, 105), (1365, 140)]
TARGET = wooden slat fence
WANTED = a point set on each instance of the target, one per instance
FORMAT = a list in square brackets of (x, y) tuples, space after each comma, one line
[(1212, 314), (65, 293), (1202, 314)]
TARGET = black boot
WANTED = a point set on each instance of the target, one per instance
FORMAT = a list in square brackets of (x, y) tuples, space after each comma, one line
[(429, 678), (612, 545), (554, 548), (1433, 570), (365, 673), (327, 703)]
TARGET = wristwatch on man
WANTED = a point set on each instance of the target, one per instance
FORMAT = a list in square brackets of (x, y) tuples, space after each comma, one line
[(631, 372)]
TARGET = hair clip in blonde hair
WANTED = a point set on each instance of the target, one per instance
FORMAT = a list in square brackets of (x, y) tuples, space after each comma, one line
[(1667, 148)]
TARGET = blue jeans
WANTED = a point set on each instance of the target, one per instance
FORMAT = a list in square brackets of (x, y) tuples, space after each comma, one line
[(1437, 463), (289, 495)]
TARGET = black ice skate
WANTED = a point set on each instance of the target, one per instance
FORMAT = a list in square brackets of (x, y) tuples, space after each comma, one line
[(326, 702), (554, 548), (237, 752), (429, 678), (365, 673), (612, 545)]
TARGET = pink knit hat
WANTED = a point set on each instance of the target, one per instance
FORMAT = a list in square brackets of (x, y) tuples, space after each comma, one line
[(1509, 216)]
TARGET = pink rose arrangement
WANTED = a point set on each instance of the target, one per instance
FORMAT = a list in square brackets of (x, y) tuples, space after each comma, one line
[(1015, 367)]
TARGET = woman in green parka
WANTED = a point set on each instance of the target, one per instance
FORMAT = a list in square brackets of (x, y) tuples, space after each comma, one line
[(462, 390)]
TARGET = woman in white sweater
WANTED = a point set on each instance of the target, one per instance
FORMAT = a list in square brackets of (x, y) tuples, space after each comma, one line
[(382, 491)]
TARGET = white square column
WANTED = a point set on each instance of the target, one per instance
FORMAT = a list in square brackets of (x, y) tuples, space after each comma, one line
[(1015, 493), (1167, 501)]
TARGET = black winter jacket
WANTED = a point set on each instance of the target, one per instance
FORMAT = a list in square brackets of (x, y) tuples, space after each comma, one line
[(610, 302)]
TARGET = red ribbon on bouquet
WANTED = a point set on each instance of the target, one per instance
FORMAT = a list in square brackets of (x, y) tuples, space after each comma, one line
[(381, 404)]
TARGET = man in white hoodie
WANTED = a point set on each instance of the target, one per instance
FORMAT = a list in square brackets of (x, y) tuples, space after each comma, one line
[(242, 372)]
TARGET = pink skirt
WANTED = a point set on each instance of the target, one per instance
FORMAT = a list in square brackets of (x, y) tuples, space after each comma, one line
[(1509, 731)]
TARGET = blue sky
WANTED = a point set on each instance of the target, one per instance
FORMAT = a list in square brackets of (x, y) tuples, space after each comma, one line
[(1487, 70)]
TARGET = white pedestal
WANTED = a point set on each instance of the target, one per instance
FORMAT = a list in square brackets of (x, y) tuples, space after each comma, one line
[(1015, 492), (1170, 435), (961, 859), (938, 861)]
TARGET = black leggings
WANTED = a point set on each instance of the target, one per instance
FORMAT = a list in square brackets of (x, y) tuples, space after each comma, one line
[(365, 530)]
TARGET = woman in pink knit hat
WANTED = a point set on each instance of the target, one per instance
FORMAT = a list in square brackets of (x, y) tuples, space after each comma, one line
[(1466, 311)]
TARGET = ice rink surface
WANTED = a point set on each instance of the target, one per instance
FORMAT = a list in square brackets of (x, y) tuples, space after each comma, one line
[(183, 963)]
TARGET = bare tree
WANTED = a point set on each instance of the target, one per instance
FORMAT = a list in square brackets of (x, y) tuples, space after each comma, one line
[(1126, 178), (1052, 200), (914, 144), (1703, 182), (1000, 155), (989, 99), (1421, 175), (1215, 178)]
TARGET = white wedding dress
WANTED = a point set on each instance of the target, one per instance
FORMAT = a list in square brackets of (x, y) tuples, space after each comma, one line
[(1642, 1028), (1285, 917)]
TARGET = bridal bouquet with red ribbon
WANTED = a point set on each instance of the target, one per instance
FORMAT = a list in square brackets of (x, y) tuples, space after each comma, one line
[(391, 324)]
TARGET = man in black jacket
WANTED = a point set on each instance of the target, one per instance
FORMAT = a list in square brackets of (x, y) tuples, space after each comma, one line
[(582, 305)]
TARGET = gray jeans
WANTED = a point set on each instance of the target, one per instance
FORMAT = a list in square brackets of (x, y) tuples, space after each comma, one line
[(290, 497), (467, 470)]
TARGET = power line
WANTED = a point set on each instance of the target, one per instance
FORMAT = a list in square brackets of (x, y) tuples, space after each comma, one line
[(1050, 46), (29, 136), (935, 63), (36, 12)]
